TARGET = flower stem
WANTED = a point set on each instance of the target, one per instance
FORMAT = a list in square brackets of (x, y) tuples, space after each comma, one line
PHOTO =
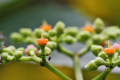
[(84, 50), (78, 72), (65, 51), (103, 75), (57, 72)]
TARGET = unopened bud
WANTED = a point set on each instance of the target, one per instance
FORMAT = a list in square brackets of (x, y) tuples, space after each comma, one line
[(83, 36), (69, 39), (26, 31), (59, 27), (98, 25), (16, 37), (96, 49), (91, 66)]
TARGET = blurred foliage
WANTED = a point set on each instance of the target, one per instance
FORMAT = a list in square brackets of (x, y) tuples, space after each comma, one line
[(109, 10)]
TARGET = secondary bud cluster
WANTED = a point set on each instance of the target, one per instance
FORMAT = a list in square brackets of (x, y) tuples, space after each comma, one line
[(109, 57)]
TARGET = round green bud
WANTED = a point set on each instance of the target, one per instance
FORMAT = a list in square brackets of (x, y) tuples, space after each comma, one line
[(4, 55), (112, 32), (47, 51), (72, 31), (51, 45), (59, 27), (98, 39), (46, 35), (52, 32), (37, 33), (98, 25), (83, 36), (31, 52), (99, 61), (26, 31), (103, 55), (96, 49), (29, 40), (69, 39), (21, 49), (18, 53), (91, 66), (9, 50), (10, 58), (37, 59), (112, 36), (25, 58), (16, 37)]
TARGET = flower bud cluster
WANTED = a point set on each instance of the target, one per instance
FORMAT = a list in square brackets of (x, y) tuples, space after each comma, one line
[(109, 57)]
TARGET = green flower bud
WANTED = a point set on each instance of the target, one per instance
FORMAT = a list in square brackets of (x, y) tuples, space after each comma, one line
[(29, 40), (98, 25), (25, 58), (10, 58), (9, 50), (18, 53), (51, 45), (98, 39), (99, 61), (69, 39), (72, 31), (37, 33), (52, 32), (96, 49), (16, 37), (112, 32), (59, 27), (83, 36), (21, 49), (26, 31), (4, 55), (36, 59), (103, 55), (47, 51), (31, 52), (91, 66), (46, 35)]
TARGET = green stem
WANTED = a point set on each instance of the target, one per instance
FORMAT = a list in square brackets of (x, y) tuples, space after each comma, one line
[(56, 71), (78, 72), (52, 68), (103, 75), (84, 50), (64, 51)]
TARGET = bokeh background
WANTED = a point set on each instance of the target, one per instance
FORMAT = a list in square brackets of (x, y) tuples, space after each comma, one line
[(15, 14)]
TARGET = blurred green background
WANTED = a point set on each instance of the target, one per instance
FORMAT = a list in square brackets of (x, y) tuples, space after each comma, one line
[(15, 14)]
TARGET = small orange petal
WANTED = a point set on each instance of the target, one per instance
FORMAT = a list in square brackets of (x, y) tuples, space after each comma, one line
[(109, 51), (88, 28), (42, 41)]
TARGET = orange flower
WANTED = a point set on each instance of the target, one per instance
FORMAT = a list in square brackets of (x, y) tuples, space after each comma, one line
[(46, 27), (88, 28), (109, 50), (42, 41)]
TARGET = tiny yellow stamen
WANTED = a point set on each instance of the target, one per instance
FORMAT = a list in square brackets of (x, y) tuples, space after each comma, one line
[(109, 44), (42, 36)]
